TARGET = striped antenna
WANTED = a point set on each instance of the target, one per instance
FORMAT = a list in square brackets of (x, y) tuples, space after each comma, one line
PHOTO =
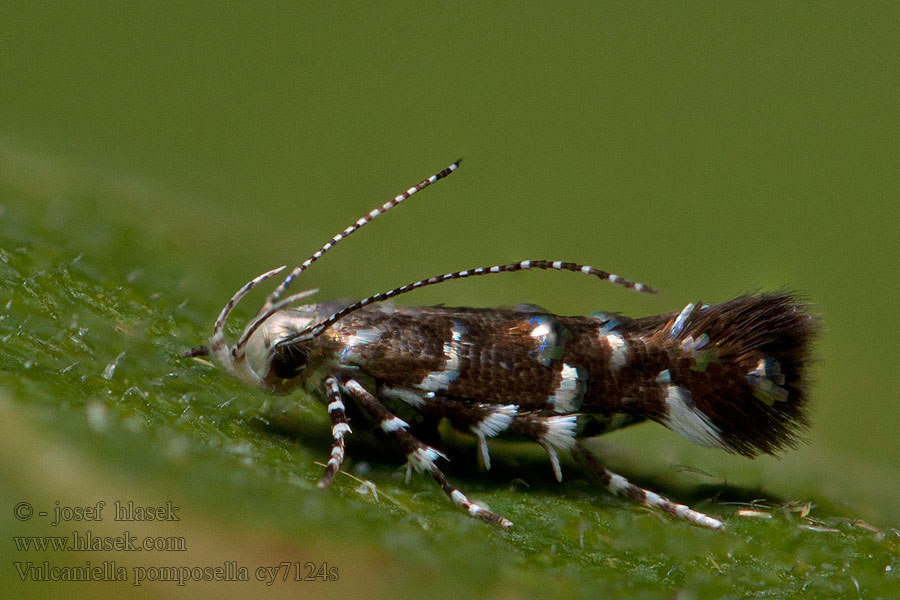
[(217, 340), (270, 301), (525, 265), (262, 318)]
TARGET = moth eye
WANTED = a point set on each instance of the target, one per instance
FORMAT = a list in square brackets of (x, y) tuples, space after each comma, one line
[(287, 363)]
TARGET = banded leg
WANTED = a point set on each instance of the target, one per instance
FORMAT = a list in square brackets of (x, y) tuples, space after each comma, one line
[(489, 420), (481, 420), (339, 427), (421, 457), (619, 485)]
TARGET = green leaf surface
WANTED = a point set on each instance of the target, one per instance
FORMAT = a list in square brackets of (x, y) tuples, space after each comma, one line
[(154, 159), (98, 405)]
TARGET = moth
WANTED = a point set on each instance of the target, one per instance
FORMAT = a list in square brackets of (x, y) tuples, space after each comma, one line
[(730, 375)]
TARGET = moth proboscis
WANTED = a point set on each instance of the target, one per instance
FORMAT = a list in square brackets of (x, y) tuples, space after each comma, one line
[(729, 375)]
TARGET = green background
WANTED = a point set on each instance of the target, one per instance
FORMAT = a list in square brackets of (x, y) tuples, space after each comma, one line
[(153, 158)]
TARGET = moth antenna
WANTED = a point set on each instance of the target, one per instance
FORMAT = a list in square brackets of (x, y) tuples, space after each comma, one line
[(525, 265), (217, 340), (270, 301), (238, 348)]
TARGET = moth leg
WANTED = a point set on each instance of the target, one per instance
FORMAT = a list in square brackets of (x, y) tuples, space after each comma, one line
[(339, 427), (553, 433), (619, 485), (421, 457), (489, 421), (481, 420)]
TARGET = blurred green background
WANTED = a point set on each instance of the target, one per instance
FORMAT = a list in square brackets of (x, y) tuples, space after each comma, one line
[(155, 157)]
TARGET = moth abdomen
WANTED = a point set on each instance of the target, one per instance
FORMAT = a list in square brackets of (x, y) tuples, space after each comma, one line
[(735, 374)]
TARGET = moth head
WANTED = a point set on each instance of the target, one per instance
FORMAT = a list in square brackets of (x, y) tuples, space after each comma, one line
[(280, 367), (257, 355)]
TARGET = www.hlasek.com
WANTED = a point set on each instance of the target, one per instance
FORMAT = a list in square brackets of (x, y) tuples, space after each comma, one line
[(82, 541)]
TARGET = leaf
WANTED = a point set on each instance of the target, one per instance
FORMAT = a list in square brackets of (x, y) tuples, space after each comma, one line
[(98, 405)]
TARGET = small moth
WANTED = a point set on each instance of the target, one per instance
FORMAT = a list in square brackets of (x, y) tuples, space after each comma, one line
[(730, 375)]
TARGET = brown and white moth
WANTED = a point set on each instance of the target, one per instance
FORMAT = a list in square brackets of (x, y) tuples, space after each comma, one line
[(730, 375)]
